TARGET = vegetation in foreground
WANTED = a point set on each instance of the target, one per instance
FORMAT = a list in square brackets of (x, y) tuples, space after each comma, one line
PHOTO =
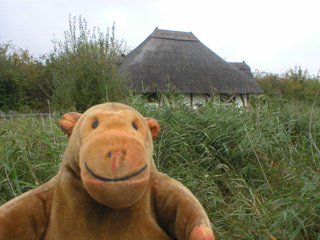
[(257, 173)]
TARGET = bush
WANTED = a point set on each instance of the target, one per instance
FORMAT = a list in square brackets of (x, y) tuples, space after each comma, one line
[(295, 85), (81, 71), (84, 67), (21, 80)]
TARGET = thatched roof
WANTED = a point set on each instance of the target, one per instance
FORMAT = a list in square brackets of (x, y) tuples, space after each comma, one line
[(180, 59), (243, 67)]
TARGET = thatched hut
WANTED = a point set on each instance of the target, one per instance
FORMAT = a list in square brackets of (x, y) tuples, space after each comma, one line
[(181, 60)]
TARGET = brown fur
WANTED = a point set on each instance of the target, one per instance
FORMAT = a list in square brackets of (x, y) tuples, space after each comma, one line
[(107, 187)]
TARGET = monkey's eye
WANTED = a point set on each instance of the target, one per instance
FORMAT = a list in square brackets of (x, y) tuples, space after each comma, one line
[(134, 125), (95, 124)]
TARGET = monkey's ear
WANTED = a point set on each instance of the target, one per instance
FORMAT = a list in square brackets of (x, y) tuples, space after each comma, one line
[(68, 121), (154, 127)]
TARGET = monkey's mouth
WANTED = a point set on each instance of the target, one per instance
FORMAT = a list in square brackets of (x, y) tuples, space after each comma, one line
[(115, 179)]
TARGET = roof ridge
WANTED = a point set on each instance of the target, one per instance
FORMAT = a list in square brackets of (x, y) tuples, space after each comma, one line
[(174, 35)]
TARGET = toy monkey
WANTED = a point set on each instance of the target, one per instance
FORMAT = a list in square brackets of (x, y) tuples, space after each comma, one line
[(107, 188)]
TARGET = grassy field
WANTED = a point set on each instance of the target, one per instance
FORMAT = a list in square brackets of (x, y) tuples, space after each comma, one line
[(257, 173)]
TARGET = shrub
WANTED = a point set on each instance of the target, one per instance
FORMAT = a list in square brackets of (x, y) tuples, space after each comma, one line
[(295, 85), (21, 81), (84, 67)]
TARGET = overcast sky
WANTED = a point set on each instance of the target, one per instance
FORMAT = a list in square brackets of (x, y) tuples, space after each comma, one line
[(271, 36)]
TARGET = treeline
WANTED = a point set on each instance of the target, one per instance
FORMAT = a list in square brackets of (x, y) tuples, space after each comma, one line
[(81, 71), (295, 85)]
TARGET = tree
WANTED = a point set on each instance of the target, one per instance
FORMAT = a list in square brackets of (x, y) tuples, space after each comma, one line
[(293, 85), (20, 79), (84, 67)]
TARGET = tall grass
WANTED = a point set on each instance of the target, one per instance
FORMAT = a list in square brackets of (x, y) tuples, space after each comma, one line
[(256, 172), (29, 155)]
